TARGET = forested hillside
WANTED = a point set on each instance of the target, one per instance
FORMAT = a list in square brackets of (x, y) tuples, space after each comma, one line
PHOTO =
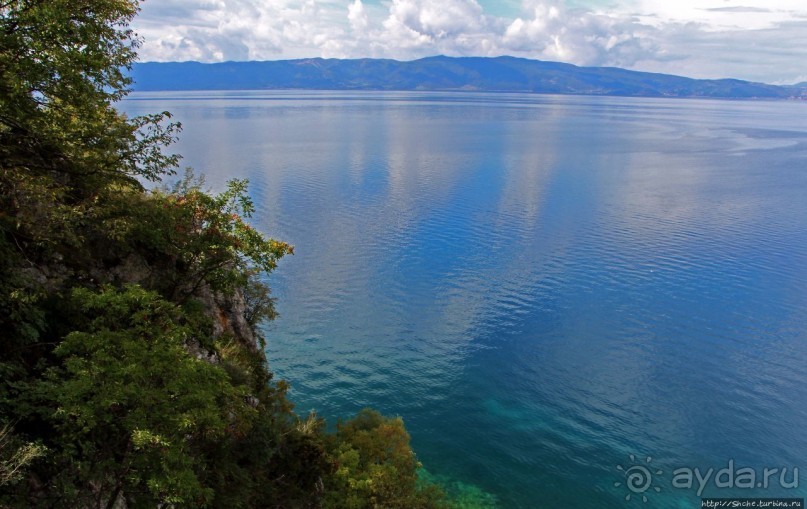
[(500, 74), (132, 367)]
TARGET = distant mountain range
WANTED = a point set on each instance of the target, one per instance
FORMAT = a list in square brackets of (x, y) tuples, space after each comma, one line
[(500, 74)]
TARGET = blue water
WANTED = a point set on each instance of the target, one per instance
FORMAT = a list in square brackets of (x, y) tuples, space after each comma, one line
[(541, 286)]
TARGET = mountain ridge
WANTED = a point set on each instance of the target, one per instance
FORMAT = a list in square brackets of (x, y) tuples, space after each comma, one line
[(484, 74)]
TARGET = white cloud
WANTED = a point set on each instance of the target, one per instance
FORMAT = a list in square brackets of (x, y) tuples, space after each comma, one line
[(750, 39), (582, 37), (723, 14), (357, 16), (437, 20), (414, 28)]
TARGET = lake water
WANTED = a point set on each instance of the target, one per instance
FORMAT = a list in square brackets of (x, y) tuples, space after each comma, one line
[(541, 286)]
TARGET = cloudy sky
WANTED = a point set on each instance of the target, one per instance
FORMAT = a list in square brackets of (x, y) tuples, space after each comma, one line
[(758, 40)]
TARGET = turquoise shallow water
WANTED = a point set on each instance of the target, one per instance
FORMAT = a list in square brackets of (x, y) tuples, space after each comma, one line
[(541, 286)]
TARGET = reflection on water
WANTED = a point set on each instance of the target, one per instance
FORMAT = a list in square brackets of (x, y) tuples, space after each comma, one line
[(542, 286)]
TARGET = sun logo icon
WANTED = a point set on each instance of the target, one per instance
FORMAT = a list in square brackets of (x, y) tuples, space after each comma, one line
[(638, 478)]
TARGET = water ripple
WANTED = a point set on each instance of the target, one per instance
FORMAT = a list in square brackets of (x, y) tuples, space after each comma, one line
[(542, 286)]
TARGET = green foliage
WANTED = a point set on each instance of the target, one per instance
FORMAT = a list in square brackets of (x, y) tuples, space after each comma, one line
[(15, 456), (376, 466), (128, 364), (207, 239), (64, 149), (127, 376), (62, 64)]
